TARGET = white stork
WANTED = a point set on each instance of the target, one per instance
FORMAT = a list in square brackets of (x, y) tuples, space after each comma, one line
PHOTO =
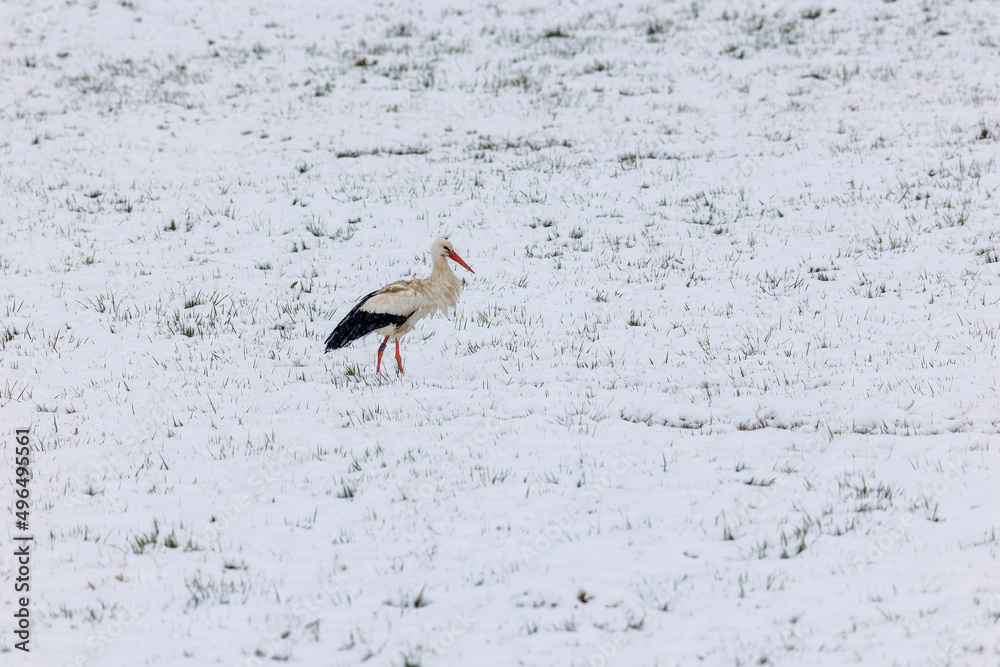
[(393, 310)]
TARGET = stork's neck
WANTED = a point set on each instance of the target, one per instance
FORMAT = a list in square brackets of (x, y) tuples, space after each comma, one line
[(441, 270), (443, 286)]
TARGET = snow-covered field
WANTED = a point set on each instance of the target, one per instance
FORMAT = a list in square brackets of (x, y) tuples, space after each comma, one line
[(722, 391)]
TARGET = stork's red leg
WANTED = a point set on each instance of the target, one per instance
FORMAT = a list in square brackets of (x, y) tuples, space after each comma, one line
[(399, 360), (381, 349)]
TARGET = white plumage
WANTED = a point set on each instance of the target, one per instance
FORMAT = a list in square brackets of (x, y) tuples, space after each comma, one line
[(393, 310)]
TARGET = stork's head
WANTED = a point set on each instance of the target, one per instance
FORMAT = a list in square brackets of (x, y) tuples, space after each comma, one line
[(444, 248)]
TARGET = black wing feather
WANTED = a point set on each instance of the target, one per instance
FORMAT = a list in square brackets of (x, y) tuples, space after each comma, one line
[(360, 323)]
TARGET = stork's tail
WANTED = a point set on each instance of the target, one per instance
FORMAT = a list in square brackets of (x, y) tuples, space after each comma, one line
[(341, 337), (351, 329)]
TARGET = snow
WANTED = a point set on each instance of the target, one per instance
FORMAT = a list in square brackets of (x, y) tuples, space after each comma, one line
[(722, 390)]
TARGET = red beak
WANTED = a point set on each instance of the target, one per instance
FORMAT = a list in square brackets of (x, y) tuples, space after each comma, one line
[(453, 255)]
